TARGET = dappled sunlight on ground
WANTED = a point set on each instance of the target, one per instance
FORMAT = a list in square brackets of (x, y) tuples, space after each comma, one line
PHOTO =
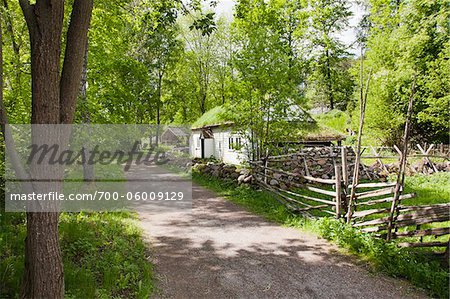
[(219, 250)]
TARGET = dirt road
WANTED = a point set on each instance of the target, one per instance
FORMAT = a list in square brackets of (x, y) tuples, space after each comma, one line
[(218, 250)]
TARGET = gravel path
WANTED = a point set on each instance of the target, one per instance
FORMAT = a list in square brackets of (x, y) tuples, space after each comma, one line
[(218, 250)]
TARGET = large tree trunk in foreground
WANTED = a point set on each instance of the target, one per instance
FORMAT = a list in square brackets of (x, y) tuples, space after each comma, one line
[(53, 102), (43, 276), (1, 62)]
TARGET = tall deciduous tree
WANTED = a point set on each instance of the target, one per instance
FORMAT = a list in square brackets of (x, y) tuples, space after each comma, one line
[(409, 39), (158, 46), (268, 65), (329, 80), (201, 57), (54, 94)]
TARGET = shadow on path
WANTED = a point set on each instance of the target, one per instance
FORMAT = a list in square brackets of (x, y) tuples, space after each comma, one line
[(218, 250)]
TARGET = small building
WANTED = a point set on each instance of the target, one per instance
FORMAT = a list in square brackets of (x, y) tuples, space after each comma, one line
[(214, 137), (175, 135)]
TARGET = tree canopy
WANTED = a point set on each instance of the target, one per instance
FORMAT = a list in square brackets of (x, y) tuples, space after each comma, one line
[(167, 61)]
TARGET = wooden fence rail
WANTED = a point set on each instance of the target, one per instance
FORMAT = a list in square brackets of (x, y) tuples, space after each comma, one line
[(370, 210), (296, 200)]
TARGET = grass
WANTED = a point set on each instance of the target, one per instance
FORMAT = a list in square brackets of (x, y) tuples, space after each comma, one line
[(335, 119), (103, 253), (210, 117), (416, 265), (430, 189)]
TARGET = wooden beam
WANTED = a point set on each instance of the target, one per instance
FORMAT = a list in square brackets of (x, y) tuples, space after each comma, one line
[(364, 213), (437, 231), (402, 164), (338, 196), (428, 244), (374, 193), (328, 202), (383, 200), (374, 185)]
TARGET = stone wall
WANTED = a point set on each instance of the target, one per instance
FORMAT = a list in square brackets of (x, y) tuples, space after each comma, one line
[(320, 162), (222, 170)]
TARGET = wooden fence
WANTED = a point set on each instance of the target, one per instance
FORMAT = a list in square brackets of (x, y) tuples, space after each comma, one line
[(372, 209), (316, 193), (427, 152)]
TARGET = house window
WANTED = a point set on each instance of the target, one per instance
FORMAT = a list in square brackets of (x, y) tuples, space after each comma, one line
[(238, 141), (234, 143)]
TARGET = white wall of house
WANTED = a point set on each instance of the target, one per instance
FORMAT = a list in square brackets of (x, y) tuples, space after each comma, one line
[(194, 144), (224, 146)]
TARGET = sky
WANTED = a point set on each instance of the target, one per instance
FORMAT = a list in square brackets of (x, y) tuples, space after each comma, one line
[(225, 7)]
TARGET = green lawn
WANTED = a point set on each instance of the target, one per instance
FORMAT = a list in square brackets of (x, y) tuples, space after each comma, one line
[(416, 265), (104, 255)]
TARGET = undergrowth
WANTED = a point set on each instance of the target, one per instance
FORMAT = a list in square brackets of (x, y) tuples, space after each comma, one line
[(416, 265), (103, 254)]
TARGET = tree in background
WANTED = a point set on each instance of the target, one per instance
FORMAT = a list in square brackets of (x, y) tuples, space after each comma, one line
[(201, 59), (158, 47), (118, 88), (223, 72), (330, 82), (268, 69), (408, 39), (16, 62)]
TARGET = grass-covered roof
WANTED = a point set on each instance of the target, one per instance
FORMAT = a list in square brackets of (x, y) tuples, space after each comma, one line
[(215, 116), (316, 130)]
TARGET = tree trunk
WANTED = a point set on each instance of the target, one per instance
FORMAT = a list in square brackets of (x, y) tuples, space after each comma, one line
[(329, 83), (203, 103), (43, 276), (88, 168), (74, 58), (53, 102), (158, 109)]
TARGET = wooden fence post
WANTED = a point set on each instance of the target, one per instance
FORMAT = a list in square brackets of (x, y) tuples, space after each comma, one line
[(344, 155), (344, 166), (338, 177), (426, 157), (355, 181), (402, 166)]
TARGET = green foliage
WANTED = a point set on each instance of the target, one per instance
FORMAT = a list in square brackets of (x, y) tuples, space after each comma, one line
[(408, 40), (330, 83), (416, 265), (16, 64), (430, 189), (103, 253), (270, 70), (12, 248), (335, 119)]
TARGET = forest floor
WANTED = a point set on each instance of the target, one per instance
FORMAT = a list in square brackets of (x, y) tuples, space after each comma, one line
[(219, 250)]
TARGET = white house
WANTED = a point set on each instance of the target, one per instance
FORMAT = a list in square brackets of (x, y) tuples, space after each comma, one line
[(218, 141), (213, 137)]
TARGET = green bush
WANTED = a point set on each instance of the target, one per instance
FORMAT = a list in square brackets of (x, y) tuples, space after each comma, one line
[(103, 254), (416, 265)]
